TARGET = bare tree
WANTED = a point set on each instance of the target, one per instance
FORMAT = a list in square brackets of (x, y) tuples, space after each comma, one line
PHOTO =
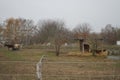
[(109, 33), (18, 30), (54, 32), (1, 32), (60, 36), (82, 30), (27, 31), (12, 30), (118, 32)]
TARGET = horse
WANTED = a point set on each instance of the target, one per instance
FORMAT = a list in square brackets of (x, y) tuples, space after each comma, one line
[(12, 46), (97, 51)]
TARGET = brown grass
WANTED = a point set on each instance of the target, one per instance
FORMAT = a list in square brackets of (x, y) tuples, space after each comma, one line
[(21, 65)]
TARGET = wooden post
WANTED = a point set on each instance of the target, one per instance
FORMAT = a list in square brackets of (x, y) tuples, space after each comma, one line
[(81, 44), (39, 68), (102, 45), (83, 47)]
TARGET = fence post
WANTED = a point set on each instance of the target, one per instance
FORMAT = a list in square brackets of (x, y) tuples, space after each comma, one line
[(39, 68)]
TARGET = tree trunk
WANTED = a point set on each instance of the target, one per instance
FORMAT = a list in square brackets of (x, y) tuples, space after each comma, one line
[(57, 50), (81, 46)]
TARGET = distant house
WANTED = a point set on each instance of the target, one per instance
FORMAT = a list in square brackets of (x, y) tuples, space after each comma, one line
[(118, 42)]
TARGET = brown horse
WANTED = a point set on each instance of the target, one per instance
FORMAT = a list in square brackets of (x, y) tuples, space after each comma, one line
[(12, 46)]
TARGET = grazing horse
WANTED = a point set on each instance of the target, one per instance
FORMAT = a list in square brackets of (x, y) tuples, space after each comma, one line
[(98, 51), (12, 46)]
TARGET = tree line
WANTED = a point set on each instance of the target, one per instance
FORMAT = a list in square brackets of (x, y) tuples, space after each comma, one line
[(19, 30)]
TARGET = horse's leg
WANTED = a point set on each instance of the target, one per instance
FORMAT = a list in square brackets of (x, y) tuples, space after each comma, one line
[(8, 48), (12, 48)]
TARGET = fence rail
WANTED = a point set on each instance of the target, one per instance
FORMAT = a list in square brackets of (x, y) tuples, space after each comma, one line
[(48, 69), (77, 70), (18, 70)]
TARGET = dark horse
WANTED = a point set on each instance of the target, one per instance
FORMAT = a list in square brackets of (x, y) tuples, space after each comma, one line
[(10, 46)]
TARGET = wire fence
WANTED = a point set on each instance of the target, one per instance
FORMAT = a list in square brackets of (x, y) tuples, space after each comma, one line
[(17, 70), (47, 69), (78, 70)]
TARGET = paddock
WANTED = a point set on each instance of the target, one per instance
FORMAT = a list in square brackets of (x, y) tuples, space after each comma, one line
[(21, 65)]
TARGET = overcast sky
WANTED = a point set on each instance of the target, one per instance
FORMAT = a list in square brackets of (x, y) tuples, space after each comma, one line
[(97, 13)]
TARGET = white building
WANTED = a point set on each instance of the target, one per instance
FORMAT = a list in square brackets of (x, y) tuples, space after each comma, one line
[(118, 42)]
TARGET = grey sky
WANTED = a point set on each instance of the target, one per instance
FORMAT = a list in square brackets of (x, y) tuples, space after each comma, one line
[(97, 13)]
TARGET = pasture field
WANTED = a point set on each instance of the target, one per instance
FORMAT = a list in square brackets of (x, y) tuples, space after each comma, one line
[(21, 65)]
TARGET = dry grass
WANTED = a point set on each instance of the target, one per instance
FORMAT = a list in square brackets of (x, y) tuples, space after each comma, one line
[(86, 54), (21, 65)]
